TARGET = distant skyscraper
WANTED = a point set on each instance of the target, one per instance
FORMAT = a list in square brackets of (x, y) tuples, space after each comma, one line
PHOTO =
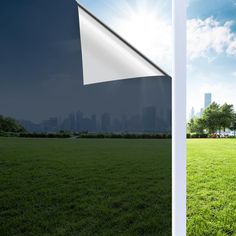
[(50, 125), (149, 119), (72, 122), (93, 123), (207, 100), (106, 122), (79, 121), (192, 113)]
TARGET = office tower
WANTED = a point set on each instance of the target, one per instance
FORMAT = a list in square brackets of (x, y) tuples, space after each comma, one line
[(79, 121), (50, 125), (72, 122), (65, 126), (93, 123), (106, 122), (192, 113), (149, 119), (207, 100)]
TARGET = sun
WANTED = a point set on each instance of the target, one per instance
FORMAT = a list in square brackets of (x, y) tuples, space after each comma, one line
[(140, 29), (147, 29)]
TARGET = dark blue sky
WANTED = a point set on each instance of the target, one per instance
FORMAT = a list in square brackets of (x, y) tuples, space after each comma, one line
[(35, 40), (39, 43), (40, 67)]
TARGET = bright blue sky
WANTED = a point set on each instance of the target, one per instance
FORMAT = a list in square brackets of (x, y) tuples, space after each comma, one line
[(213, 68), (145, 24), (211, 42)]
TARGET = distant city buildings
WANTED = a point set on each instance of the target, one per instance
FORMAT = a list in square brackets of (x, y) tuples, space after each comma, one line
[(106, 122), (192, 113), (207, 102), (147, 121)]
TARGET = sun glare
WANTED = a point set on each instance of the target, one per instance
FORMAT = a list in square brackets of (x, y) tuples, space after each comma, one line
[(148, 30)]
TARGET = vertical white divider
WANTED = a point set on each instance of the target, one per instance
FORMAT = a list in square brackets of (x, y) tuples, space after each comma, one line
[(179, 118)]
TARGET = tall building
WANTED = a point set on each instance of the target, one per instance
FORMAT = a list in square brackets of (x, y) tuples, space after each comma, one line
[(50, 125), (192, 113), (94, 123), (71, 122), (207, 100), (106, 122), (149, 119), (79, 121)]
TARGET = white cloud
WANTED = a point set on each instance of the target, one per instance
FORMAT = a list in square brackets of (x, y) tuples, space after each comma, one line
[(207, 38), (148, 28), (210, 35), (234, 73), (231, 50)]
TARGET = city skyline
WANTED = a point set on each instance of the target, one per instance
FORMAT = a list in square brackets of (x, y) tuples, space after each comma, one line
[(206, 103), (147, 120)]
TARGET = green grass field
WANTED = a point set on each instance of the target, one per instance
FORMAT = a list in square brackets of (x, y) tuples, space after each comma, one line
[(211, 183), (113, 187), (85, 187)]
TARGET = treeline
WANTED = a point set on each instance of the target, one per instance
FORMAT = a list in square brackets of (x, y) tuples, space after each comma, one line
[(87, 135), (10, 125), (45, 135), (35, 135), (125, 136), (215, 119)]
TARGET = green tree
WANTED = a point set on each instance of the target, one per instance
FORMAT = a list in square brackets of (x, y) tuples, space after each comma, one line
[(196, 125), (212, 117), (200, 125), (226, 115), (8, 124), (191, 126), (233, 124)]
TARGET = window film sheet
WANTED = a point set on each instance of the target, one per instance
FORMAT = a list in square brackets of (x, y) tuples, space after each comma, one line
[(85, 121)]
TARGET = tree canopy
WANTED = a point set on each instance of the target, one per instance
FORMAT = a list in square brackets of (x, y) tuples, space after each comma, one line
[(8, 124), (215, 118)]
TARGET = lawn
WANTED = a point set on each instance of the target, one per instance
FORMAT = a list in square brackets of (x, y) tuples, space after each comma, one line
[(113, 187), (211, 184), (85, 187)]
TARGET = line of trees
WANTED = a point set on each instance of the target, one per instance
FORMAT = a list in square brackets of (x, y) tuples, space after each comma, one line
[(10, 127), (215, 118), (125, 135), (8, 124)]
